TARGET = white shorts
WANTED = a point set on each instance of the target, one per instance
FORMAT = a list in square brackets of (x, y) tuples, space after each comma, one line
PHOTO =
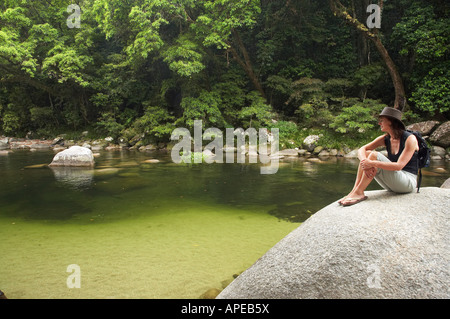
[(395, 181)]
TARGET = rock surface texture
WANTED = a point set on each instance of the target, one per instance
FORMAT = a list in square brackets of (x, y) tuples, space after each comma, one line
[(424, 128), (446, 184), (389, 246), (74, 156), (441, 136)]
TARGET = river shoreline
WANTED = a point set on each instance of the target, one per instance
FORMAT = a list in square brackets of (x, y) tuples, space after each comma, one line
[(8, 144)]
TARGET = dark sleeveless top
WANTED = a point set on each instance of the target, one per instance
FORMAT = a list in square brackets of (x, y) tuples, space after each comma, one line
[(413, 164)]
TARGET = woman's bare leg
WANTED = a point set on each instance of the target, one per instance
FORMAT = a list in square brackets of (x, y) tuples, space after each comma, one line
[(359, 174), (362, 181)]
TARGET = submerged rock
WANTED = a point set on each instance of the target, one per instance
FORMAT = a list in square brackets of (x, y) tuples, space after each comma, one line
[(389, 246), (151, 161), (37, 166), (210, 294), (106, 171), (295, 213)]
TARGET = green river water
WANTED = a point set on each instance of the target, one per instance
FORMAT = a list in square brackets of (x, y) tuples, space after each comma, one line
[(152, 230)]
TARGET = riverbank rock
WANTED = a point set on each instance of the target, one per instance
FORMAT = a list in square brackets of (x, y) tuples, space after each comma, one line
[(4, 143), (74, 156), (352, 154), (424, 128), (58, 141), (40, 145), (310, 142), (438, 152), (389, 246), (288, 152), (441, 137)]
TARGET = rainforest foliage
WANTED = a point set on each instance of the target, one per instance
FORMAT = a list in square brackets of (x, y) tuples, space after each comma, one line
[(134, 69)]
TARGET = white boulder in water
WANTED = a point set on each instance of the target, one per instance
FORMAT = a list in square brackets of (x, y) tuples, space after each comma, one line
[(74, 156)]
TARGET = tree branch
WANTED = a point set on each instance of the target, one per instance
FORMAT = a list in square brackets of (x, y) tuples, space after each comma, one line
[(20, 78), (342, 12)]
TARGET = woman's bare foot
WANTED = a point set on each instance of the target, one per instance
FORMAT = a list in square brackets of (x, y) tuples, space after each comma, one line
[(342, 200), (352, 200)]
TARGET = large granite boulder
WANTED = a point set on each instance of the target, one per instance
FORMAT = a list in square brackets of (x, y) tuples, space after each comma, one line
[(389, 246), (441, 136), (74, 156), (446, 184), (424, 128)]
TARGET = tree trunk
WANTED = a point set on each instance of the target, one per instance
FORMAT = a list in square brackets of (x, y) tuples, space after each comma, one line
[(245, 62), (362, 41), (340, 10), (400, 97)]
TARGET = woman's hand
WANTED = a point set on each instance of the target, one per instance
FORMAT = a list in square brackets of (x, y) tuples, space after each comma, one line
[(368, 166), (371, 172)]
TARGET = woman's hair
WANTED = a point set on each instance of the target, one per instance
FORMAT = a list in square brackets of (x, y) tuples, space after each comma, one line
[(397, 128)]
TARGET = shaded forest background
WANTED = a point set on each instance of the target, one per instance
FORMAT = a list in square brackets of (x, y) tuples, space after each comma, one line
[(136, 69)]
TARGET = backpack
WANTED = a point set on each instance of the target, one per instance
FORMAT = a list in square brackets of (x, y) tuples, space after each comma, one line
[(423, 157)]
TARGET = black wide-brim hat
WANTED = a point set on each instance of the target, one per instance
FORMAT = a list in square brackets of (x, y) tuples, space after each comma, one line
[(393, 114)]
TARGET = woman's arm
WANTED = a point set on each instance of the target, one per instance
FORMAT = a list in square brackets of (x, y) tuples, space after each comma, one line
[(378, 142), (405, 157)]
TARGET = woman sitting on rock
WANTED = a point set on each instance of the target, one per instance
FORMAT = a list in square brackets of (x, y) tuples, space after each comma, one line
[(398, 171)]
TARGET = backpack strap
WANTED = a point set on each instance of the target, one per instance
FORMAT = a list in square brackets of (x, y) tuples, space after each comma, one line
[(419, 172), (420, 179)]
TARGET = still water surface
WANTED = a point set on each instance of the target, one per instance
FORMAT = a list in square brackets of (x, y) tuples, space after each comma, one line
[(152, 230)]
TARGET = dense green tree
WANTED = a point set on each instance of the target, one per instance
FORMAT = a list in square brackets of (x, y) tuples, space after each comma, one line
[(422, 40), (136, 69), (348, 13)]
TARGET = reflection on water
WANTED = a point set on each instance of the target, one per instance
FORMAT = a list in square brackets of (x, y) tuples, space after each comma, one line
[(148, 229), (74, 177)]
